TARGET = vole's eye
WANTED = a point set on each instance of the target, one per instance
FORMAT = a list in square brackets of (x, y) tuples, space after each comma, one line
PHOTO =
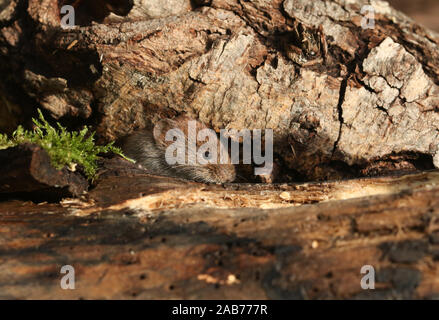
[(207, 155)]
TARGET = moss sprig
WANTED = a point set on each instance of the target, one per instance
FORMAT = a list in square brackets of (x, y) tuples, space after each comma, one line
[(64, 148)]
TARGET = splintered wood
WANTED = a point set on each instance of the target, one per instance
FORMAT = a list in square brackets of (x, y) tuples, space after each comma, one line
[(178, 195)]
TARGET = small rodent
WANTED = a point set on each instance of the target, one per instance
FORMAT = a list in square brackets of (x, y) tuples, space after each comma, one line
[(148, 148)]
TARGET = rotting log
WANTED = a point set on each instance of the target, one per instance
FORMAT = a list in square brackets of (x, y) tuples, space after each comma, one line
[(339, 98), (26, 169), (157, 245), (364, 103)]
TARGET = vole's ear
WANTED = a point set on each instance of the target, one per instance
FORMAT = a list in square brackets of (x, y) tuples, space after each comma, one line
[(160, 130), (167, 127)]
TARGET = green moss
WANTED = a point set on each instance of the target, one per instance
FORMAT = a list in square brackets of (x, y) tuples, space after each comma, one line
[(64, 148)]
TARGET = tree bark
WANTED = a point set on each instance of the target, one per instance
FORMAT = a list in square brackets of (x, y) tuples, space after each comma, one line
[(341, 99), (192, 241), (27, 169), (343, 102)]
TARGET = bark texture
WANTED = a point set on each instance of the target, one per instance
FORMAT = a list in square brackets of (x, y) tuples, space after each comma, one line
[(340, 98), (191, 241), (26, 169), (343, 101)]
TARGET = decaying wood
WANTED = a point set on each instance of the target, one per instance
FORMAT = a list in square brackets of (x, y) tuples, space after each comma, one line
[(156, 245), (343, 102), (26, 169), (364, 98)]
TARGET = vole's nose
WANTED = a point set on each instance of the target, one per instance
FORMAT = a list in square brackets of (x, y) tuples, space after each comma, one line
[(229, 175)]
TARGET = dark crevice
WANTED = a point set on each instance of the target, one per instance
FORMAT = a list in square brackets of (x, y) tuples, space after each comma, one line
[(254, 69), (196, 80), (341, 98), (371, 90), (97, 10), (49, 195), (353, 68), (16, 59), (195, 4), (401, 162), (384, 110)]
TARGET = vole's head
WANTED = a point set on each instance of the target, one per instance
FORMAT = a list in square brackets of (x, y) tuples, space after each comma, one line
[(194, 151)]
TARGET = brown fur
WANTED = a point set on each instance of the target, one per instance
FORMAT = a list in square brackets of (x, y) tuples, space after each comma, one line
[(148, 147)]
